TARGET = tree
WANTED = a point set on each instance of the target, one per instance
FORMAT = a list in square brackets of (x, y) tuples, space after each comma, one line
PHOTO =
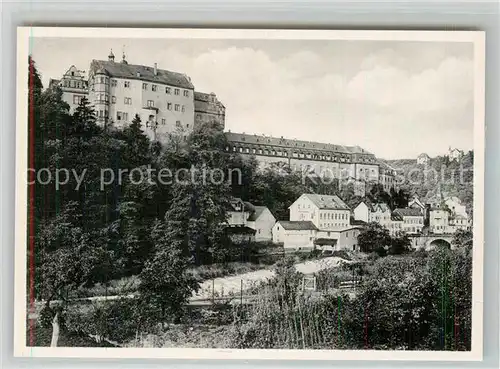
[(462, 238), (165, 282), (400, 244), (137, 145), (373, 237)]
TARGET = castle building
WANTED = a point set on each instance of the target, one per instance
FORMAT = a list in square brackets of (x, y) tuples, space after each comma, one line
[(73, 85), (207, 108), (164, 100), (321, 159)]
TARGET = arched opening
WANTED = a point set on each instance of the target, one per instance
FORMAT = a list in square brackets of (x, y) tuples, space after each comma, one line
[(440, 243)]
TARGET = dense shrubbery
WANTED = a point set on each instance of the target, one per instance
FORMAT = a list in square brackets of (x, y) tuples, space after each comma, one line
[(403, 302)]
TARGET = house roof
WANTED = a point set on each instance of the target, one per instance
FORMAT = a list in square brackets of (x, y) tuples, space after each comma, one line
[(299, 144), (357, 222), (240, 230), (327, 202), (255, 211), (245, 205), (131, 71), (341, 229), (298, 225), (408, 212), (396, 217), (382, 206)]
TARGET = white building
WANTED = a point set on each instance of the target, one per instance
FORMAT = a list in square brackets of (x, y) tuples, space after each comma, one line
[(262, 220), (324, 211), (245, 214), (345, 238), (379, 213), (164, 100), (413, 219), (455, 154), (423, 159), (456, 207), (238, 213), (448, 217), (74, 87), (296, 235)]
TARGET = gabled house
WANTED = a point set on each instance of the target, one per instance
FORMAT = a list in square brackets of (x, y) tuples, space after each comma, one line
[(262, 221), (415, 203), (379, 213), (413, 219), (298, 235), (243, 214), (324, 211)]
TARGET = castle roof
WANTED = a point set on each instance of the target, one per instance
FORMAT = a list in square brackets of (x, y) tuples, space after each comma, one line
[(299, 144), (142, 72)]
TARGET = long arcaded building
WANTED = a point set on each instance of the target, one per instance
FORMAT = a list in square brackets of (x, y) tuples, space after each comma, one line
[(346, 162)]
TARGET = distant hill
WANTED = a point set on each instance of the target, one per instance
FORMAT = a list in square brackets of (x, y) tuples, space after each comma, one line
[(452, 178)]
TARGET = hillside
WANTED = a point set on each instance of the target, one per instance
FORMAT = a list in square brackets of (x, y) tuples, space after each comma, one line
[(451, 177)]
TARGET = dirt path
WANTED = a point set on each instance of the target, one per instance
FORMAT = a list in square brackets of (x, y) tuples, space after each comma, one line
[(234, 284)]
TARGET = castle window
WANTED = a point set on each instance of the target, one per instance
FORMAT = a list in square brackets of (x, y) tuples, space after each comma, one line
[(113, 82), (127, 84), (168, 90), (128, 101), (178, 123), (254, 151), (169, 106), (177, 107), (241, 149), (186, 93), (144, 86), (247, 150), (163, 121), (151, 103), (176, 91), (153, 87), (183, 108), (187, 125), (113, 99)]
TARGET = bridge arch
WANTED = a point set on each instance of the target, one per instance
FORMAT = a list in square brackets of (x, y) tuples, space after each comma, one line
[(439, 243)]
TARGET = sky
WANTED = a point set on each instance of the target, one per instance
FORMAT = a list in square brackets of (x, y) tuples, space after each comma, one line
[(395, 99)]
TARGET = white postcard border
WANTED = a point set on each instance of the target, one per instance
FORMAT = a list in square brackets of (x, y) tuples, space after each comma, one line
[(25, 36)]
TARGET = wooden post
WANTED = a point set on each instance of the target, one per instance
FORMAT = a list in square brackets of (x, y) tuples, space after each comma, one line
[(302, 327), (241, 292), (213, 291)]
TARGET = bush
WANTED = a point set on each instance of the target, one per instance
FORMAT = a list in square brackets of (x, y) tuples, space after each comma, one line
[(342, 254)]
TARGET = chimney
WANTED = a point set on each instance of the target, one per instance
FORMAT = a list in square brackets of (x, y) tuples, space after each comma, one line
[(156, 69)]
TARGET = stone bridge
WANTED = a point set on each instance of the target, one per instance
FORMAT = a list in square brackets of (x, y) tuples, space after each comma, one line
[(431, 241)]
